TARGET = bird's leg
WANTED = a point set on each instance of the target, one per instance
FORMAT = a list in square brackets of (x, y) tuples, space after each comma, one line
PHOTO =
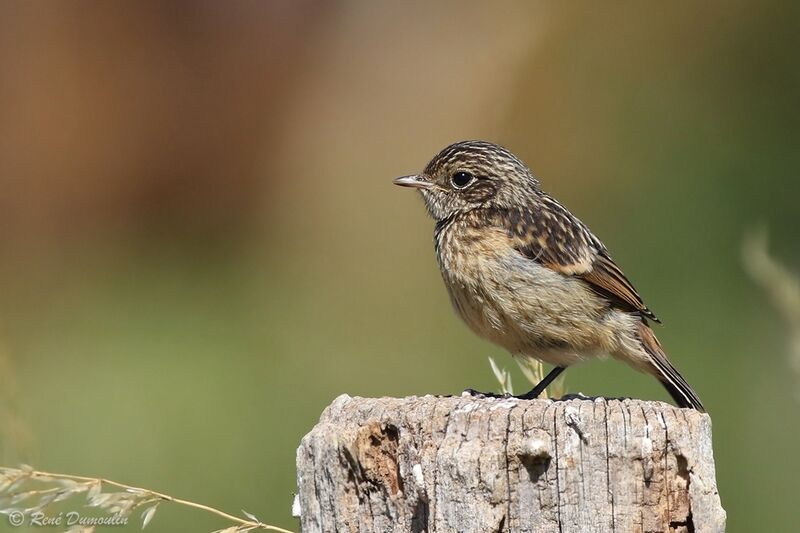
[(542, 385)]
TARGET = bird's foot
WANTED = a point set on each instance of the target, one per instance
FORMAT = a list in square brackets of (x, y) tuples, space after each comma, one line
[(478, 394), (581, 396), (530, 395)]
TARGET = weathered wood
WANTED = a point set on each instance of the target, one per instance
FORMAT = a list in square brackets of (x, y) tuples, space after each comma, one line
[(489, 465)]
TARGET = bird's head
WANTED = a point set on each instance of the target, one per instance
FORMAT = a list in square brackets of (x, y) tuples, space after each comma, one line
[(469, 175)]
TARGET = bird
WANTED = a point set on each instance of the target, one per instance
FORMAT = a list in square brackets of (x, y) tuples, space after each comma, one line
[(526, 274)]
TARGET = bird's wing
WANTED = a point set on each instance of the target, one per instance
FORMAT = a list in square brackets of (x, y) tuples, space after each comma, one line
[(552, 236)]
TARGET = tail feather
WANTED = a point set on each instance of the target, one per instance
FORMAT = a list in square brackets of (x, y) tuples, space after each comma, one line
[(668, 375)]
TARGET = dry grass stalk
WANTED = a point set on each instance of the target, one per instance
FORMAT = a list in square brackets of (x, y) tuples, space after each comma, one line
[(25, 490), (782, 288)]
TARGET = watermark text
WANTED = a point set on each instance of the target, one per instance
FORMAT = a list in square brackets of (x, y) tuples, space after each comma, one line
[(63, 519)]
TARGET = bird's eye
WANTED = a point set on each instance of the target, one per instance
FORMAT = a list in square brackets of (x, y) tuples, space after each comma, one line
[(461, 179)]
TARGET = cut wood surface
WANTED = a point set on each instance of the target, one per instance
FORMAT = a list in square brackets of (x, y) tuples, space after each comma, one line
[(463, 464)]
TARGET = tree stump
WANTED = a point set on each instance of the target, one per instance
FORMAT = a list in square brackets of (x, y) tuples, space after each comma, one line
[(463, 464)]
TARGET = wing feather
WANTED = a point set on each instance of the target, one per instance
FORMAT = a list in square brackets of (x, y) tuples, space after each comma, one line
[(552, 236)]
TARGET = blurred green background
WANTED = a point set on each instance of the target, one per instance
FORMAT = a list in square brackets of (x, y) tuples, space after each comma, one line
[(201, 245)]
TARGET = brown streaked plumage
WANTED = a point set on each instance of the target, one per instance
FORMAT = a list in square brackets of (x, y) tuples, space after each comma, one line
[(526, 274)]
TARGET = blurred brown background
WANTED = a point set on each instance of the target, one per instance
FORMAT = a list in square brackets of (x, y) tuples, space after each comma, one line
[(201, 245)]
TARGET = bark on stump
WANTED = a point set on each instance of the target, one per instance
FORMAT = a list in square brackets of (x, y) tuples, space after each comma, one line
[(489, 465)]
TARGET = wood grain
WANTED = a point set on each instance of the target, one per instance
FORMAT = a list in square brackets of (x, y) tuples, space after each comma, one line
[(489, 465)]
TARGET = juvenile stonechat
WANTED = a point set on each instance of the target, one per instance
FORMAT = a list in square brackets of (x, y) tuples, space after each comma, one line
[(525, 273)]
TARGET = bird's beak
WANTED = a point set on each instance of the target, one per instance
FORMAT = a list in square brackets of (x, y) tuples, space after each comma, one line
[(417, 182)]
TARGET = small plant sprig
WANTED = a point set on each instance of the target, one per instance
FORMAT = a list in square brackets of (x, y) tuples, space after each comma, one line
[(37, 490), (533, 370), (503, 378)]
